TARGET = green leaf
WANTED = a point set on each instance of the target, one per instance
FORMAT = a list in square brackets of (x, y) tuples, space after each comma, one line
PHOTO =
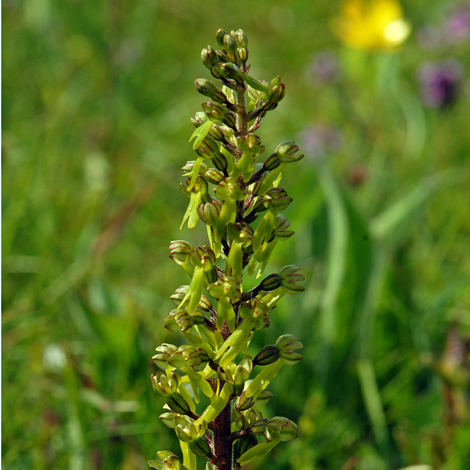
[(254, 83), (201, 133), (338, 243)]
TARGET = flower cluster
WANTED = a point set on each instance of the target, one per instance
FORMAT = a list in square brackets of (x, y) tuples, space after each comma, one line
[(440, 82), (211, 387)]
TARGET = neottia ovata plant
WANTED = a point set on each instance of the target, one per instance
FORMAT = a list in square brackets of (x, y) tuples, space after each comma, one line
[(212, 389)]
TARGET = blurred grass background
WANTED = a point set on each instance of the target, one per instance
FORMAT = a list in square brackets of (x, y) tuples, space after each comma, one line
[(96, 104)]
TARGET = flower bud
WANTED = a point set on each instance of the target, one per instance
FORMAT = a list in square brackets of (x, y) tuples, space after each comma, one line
[(220, 162), (241, 37), (218, 72), (205, 304), (178, 404), (170, 322), (268, 355), (164, 353), (280, 229), (214, 111), (287, 344), (272, 282), (179, 251), (263, 203), (199, 119), (188, 168), (160, 384), (208, 148), (268, 106), (231, 71), (276, 93), (200, 447), (230, 120), (209, 57), (220, 35), (167, 419), (179, 294), (287, 148), (244, 403), (214, 176), (180, 320), (259, 426), (243, 53), (217, 133), (209, 212), (272, 162), (283, 427), (230, 47), (208, 88), (290, 278), (169, 462)]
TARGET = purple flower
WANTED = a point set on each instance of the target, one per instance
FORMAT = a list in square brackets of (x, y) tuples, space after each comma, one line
[(457, 26), (318, 140), (440, 82), (324, 68)]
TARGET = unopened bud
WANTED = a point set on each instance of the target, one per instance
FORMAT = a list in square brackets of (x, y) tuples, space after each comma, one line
[(243, 54), (205, 304), (220, 35), (241, 37), (167, 419), (208, 88), (230, 48), (266, 356), (290, 277), (200, 447), (270, 283), (214, 111), (277, 93), (230, 120), (179, 294), (214, 176), (231, 71), (188, 168), (179, 251), (209, 57), (209, 212), (199, 119), (287, 148), (178, 404), (287, 344), (216, 132), (220, 162), (268, 106), (244, 403), (208, 148), (272, 162)]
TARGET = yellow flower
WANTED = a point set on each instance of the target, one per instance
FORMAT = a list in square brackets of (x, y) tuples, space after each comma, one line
[(373, 24)]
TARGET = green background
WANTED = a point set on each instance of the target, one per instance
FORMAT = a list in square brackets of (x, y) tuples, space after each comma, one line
[(96, 104)]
